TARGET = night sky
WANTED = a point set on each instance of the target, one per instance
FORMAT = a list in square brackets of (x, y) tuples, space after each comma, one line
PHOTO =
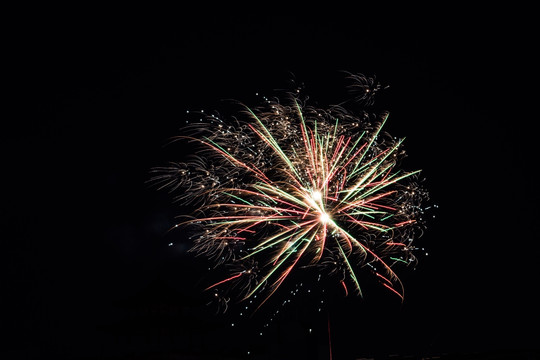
[(95, 94)]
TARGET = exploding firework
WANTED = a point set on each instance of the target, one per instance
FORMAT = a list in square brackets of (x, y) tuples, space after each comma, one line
[(285, 187)]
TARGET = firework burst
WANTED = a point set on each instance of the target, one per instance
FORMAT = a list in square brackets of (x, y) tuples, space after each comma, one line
[(286, 186)]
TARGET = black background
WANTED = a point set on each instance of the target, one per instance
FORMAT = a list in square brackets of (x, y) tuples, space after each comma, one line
[(94, 94)]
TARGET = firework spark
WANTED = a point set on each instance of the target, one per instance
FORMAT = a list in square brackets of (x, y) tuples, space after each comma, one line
[(287, 186)]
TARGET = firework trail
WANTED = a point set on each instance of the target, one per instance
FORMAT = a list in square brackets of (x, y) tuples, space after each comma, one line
[(286, 186)]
